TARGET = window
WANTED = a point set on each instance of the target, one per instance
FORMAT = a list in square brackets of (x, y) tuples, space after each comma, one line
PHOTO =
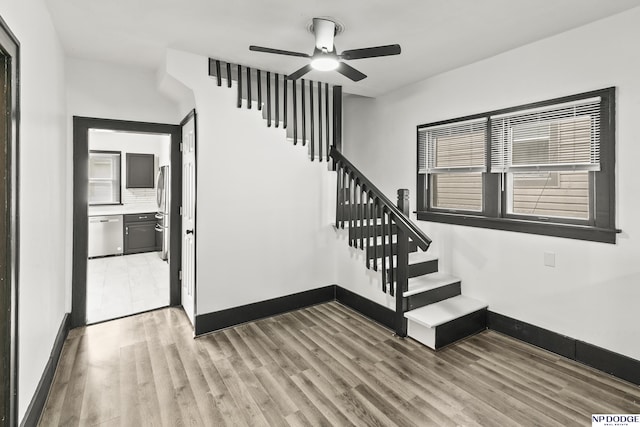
[(454, 157), (104, 177), (544, 168)]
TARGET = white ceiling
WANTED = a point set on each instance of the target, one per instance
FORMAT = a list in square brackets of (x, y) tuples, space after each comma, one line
[(435, 35)]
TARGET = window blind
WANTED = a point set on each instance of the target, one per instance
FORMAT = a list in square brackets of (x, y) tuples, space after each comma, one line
[(558, 137), (453, 148)]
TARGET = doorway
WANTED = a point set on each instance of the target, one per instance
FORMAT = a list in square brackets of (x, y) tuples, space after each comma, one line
[(110, 196), (9, 250), (128, 214)]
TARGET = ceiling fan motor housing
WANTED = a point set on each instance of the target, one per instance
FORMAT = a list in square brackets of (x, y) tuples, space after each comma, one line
[(324, 31)]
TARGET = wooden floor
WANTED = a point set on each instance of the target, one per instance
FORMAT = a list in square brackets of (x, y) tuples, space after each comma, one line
[(324, 365)]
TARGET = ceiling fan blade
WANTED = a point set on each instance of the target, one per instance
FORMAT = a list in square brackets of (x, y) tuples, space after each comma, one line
[(350, 72), (301, 72), (371, 52), (277, 51)]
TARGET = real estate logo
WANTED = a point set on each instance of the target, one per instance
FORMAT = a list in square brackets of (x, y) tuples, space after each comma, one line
[(615, 420)]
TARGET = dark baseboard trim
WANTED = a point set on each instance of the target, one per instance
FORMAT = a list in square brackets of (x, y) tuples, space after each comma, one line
[(599, 358), (32, 416), (211, 322), (374, 311), (217, 320)]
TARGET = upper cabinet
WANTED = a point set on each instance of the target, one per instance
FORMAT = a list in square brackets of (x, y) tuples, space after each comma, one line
[(140, 170), (104, 177)]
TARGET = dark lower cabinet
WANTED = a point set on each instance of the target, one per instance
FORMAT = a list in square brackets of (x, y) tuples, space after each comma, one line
[(140, 233)]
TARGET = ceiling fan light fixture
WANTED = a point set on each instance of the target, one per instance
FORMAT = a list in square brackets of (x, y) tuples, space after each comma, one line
[(325, 63)]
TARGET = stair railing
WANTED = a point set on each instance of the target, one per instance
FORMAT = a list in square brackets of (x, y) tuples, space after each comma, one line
[(373, 220), (314, 113)]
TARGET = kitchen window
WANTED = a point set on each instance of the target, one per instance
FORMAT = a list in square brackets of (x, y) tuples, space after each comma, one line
[(104, 177), (544, 168)]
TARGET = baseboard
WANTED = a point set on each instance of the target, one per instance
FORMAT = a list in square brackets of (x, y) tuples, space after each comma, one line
[(599, 358), (374, 311), (222, 319), (211, 322), (32, 416)]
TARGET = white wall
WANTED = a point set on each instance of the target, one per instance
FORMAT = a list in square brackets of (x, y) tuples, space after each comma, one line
[(263, 212), (110, 91), (43, 189), (593, 292)]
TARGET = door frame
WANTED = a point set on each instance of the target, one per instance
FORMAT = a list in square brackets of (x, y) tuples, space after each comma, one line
[(10, 52), (81, 126)]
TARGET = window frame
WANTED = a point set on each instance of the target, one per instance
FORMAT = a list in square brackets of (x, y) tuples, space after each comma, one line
[(599, 228)]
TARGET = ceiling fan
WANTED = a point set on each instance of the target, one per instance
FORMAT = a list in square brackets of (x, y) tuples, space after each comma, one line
[(324, 56)]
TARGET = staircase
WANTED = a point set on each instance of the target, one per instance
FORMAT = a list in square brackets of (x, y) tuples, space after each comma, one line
[(430, 307)]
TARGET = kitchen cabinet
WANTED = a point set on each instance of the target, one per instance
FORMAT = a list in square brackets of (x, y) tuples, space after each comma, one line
[(140, 233), (140, 170)]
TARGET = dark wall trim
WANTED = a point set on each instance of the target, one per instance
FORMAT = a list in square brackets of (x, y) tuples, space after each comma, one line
[(217, 320), (81, 126), (599, 358), (578, 232), (9, 291), (39, 398), (374, 311)]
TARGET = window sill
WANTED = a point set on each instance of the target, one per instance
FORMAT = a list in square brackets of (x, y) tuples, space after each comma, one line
[(579, 232)]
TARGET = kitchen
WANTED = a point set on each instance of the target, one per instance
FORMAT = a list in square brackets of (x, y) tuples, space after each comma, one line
[(128, 223)]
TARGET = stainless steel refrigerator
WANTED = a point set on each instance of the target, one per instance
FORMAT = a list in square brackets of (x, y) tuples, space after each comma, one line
[(163, 189)]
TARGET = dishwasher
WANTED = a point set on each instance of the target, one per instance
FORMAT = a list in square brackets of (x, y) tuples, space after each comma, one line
[(105, 235)]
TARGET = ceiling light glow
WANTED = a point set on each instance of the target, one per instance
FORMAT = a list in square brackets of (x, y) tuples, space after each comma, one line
[(324, 63)]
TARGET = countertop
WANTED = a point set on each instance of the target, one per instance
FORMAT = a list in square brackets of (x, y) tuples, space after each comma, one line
[(121, 209)]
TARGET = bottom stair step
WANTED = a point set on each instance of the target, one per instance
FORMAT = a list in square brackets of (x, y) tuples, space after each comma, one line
[(437, 325)]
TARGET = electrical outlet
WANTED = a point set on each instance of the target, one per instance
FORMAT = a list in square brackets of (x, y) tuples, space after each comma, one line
[(549, 259)]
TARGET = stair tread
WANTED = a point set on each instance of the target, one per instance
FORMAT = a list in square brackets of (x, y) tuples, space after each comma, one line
[(445, 311), (420, 256), (429, 282)]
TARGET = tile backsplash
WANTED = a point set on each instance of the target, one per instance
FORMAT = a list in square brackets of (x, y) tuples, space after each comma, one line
[(138, 196)]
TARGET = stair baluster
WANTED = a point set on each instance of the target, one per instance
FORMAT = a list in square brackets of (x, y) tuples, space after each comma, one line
[(376, 208), (304, 114), (277, 101), (249, 102), (268, 99), (295, 112), (285, 112), (218, 74), (239, 71), (326, 116), (320, 156), (312, 146), (259, 82)]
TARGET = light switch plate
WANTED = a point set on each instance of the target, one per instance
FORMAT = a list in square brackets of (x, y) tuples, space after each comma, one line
[(549, 259)]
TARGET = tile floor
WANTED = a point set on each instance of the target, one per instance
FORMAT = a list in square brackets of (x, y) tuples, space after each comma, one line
[(122, 285)]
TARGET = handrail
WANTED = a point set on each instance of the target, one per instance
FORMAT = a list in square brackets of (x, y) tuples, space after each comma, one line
[(414, 232)]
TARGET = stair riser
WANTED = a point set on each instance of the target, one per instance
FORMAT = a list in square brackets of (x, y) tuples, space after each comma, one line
[(422, 268), (450, 332), (371, 254), (433, 296), (460, 328)]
